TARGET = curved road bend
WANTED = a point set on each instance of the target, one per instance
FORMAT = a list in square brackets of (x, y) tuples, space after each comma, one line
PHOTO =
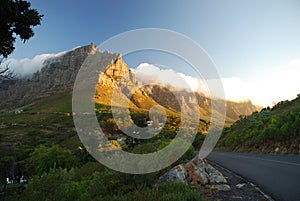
[(276, 175)]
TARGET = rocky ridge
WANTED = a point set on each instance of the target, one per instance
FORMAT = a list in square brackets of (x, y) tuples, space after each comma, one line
[(119, 80), (58, 75)]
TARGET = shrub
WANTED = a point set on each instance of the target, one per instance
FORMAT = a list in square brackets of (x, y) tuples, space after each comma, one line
[(43, 158)]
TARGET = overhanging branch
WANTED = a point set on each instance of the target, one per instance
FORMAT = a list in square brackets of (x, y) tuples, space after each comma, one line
[(6, 73)]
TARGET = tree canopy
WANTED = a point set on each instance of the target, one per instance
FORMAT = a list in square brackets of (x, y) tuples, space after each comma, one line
[(17, 19), (44, 158)]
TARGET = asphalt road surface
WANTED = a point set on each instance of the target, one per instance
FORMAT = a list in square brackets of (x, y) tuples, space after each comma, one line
[(276, 175)]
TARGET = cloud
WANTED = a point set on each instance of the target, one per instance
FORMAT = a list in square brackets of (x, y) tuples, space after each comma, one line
[(26, 67), (234, 88), (151, 74), (276, 86), (295, 63), (264, 92)]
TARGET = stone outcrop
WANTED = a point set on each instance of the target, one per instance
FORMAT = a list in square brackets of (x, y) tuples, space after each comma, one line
[(119, 80), (57, 75), (117, 74), (198, 174)]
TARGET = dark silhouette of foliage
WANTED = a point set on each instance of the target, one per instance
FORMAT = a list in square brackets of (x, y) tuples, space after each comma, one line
[(17, 19)]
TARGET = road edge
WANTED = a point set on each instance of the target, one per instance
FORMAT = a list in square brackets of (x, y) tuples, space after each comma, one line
[(268, 197)]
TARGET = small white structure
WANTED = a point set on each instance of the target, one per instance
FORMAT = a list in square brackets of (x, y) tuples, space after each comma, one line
[(8, 181), (18, 111), (149, 123), (23, 180)]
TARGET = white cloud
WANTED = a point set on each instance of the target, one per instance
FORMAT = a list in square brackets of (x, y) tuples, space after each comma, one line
[(234, 88), (275, 87), (265, 92), (151, 74), (295, 63), (25, 67)]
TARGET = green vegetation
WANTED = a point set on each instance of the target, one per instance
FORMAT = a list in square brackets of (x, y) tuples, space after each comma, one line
[(61, 185), (49, 180), (40, 143), (266, 130), (43, 158)]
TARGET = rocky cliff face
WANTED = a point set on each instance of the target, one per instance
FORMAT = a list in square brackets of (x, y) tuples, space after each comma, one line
[(57, 75), (117, 74), (119, 80), (167, 98)]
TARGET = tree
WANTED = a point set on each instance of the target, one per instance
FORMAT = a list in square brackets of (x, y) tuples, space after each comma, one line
[(43, 158), (5, 73), (17, 19), (49, 186)]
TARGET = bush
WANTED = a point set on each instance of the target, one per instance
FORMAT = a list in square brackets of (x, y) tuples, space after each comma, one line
[(43, 158), (48, 186), (176, 191), (198, 141), (61, 184), (173, 191)]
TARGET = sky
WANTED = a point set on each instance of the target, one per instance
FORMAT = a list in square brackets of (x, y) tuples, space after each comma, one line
[(255, 44)]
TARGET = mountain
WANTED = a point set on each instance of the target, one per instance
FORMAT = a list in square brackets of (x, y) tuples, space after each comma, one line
[(272, 130), (119, 79), (58, 76), (165, 97)]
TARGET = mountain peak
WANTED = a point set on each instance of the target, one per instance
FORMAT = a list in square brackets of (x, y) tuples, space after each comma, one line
[(57, 75), (117, 69), (92, 48), (87, 49), (117, 73)]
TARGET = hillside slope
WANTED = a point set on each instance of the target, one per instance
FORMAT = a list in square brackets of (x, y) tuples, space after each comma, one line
[(273, 130)]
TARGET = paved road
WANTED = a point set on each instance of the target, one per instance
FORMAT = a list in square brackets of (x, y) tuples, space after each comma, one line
[(276, 175)]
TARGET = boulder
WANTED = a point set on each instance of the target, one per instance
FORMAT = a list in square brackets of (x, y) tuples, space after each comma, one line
[(197, 173)]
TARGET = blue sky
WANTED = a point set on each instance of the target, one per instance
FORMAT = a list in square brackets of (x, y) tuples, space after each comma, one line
[(250, 40)]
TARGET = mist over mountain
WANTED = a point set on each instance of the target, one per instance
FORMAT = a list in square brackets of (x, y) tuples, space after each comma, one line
[(56, 75)]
